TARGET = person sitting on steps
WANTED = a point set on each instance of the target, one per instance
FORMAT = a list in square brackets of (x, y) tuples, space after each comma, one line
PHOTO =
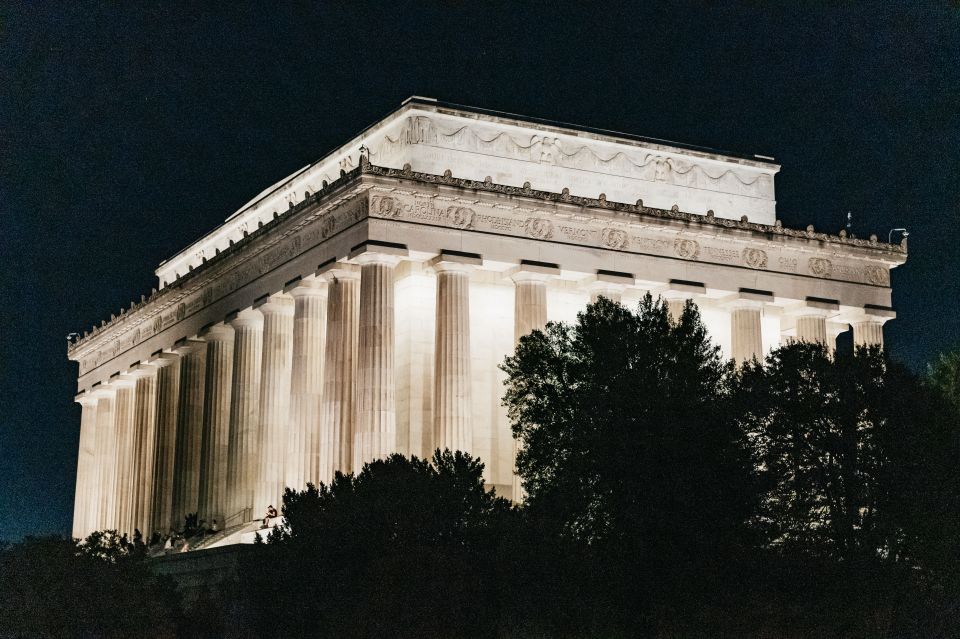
[(271, 514)]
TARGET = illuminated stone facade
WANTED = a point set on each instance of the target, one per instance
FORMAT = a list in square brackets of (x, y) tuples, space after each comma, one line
[(361, 306)]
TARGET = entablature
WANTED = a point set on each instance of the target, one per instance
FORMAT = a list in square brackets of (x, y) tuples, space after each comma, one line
[(377, 195)]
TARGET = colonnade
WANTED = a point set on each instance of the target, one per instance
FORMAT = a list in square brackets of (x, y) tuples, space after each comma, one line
[(302, 384)]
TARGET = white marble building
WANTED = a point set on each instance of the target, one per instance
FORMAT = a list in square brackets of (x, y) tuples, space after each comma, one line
[(361, 306)]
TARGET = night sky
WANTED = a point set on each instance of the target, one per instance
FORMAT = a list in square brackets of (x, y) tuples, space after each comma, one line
[(127, 133)]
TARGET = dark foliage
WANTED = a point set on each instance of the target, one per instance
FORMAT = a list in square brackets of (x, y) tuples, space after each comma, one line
[(628, 443), (670, 494), (54, 588), (407, 548)]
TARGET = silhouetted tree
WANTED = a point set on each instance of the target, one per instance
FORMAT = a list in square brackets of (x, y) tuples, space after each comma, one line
[(403, 548), (857, 460), (628, 447), (850, 448)]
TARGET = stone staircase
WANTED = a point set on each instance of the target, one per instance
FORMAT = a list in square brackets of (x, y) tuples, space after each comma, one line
[(208, 541), (242, 534)]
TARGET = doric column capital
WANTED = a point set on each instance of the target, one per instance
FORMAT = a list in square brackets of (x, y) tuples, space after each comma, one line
[(217, 332), (102, 390), (187, 346), (247, 317), (142, 369), (748, 298), (371, 252), (86, 398), (163, 359), (682, 290), (334, 270), (307, 287), (455, 262), (813, 307), (530, 271), (278, 304), (608, 283), (874, 314), (120, 382)]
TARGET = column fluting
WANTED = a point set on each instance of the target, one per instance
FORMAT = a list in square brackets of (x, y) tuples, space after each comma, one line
[(274, 400), (165, 442), (868, 333), (186, 469), (216, 424), (243, 454), (675, 306), (453, 410), (376, 432), (529, 314), (103, 456), (145, 423), (82, 504), (306, 385), (530, 303), (339, 374), (746, 341), (123, 419), (812, 328)]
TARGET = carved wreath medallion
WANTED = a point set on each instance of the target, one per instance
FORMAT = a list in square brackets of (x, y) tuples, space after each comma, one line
[(460, 217), (613, 238), (821, 267), (877, 275), (755, 258), (687, 249), (538, 228)]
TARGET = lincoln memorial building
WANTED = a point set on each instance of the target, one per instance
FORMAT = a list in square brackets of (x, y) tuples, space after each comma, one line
[(361, 306)]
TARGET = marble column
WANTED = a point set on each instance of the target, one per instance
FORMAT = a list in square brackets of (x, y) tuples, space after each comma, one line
[(609, 284), (677, 293), (103, 456), (339, 373), (306, 385), (812, 327), (416, 316), (186, 468), (165, 446), (529, 314), (277, 313), (675, 306), (86, 470), (376, 435), (144, 441), (123, 420), (452, 398), (868, 332), (811, 321), (244, 453), (530, 302), (746, 339), (609, 290), (216, 423), (746, 336)]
